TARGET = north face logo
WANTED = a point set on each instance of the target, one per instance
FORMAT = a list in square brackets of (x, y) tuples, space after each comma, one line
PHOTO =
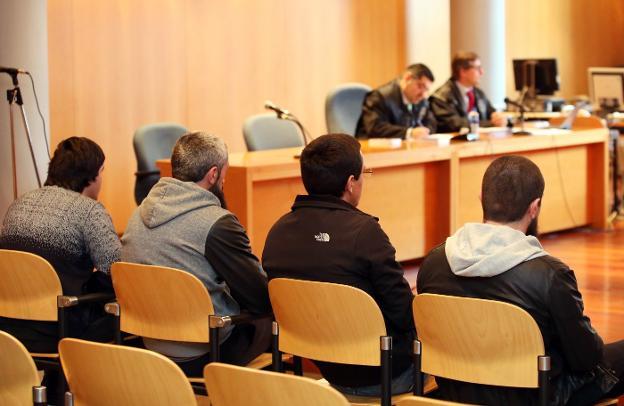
[(321, 237)]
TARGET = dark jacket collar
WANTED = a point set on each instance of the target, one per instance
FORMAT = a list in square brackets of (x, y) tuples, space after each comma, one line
[(323, 202)]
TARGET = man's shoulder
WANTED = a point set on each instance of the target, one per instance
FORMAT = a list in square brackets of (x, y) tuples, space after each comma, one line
[(445, 91)]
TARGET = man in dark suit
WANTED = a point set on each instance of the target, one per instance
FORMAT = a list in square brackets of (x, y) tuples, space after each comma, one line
[(399, 109), (452, 102)]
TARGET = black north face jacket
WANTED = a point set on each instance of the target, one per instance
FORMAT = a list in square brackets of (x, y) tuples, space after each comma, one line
[(326, 239)]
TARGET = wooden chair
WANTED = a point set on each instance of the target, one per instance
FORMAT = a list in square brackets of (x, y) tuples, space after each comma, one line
[(422, 401), (331, 322), (19, 380), (107, 374), (479, 341), (169, 304), (30, 289), (230, 385)]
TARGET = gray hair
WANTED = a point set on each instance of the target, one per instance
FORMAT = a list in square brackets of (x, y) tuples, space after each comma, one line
[(195, 153)]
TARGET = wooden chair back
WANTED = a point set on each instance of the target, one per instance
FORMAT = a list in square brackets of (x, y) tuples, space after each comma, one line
[(230, 385), (29, 287), (160, 302), (18, 373), (327, 321), (106, 374), (478, 341), (423, 401)]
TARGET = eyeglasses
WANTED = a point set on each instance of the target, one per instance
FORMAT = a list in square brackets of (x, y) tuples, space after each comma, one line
[(367, 171)]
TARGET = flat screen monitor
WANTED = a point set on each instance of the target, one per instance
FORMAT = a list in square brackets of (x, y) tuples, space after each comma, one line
[(540, 72), (606, 86)]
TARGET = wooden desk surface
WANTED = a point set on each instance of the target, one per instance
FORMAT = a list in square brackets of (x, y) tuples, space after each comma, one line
[(422, 192)]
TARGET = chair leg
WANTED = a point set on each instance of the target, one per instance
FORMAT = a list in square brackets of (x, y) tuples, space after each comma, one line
[(386, 370), (418, 375), (114, 309), (297, 366), (69, 399), (277, 355), (40, 396), (543, 367), (214, 344)]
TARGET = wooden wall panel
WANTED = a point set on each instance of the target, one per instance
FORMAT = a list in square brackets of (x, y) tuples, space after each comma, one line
[(579, 33), (118, 64)]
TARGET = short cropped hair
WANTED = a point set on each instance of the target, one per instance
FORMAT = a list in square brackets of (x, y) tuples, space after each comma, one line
[(75, 164), (328, 161), (195, 153), (462, 60), (509, 186), (419, 70)]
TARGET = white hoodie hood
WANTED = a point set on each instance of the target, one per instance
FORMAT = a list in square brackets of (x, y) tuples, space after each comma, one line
[(484, 250)]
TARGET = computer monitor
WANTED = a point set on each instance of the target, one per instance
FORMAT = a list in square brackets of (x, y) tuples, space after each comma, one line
[(538, 74), (606, 87)]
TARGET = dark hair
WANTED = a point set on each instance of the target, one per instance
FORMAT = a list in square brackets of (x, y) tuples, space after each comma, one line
[(509, 186), (328, 161), (76, 163), (419, 70), (462, 60)]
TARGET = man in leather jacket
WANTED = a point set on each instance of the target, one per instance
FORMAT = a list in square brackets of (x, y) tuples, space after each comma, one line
[(399, 109), (452, 102), (501, 259)]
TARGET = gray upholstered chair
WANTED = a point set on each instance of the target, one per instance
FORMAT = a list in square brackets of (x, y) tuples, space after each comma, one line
[(152, 142), (266, 131), (343, 107)]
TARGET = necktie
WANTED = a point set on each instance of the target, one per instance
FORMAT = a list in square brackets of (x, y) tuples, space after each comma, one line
[(471, 100)]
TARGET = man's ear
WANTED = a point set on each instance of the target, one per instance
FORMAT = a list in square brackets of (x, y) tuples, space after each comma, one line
[(211, 177), (534, 207), (349, 185)]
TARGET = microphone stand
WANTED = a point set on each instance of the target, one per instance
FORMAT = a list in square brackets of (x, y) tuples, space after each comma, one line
[(290, 117), (14, 96), (520, 105)]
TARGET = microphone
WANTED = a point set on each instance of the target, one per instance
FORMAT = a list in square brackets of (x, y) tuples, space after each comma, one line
[(12, 71), (269, 105), (513, 103)]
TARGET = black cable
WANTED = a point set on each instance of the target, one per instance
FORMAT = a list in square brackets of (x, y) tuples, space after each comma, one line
[(45, 134)]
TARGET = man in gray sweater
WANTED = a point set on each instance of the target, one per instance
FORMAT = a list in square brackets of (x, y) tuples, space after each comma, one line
[(183, 223)]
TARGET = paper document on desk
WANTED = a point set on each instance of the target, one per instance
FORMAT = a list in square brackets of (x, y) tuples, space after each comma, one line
[(547, 131), (385, 142)]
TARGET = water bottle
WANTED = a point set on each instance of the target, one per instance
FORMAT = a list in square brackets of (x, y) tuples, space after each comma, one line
[(473, 121)]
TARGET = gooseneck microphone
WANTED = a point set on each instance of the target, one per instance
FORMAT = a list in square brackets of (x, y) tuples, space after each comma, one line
[(281, 113), (12, 71), (284, 114)]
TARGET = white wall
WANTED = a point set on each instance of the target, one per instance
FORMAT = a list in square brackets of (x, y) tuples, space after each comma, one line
[(428, 30), (479, 26), (24, 45)]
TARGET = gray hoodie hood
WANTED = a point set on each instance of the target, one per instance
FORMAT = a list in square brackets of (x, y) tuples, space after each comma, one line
[(479, 249), (170, 198)]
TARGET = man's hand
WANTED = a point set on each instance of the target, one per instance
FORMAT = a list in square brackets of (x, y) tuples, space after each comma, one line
[(418, 132), (499, 119)]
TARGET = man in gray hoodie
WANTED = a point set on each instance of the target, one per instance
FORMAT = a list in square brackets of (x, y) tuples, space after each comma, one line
[(501, 259), (183, 223)]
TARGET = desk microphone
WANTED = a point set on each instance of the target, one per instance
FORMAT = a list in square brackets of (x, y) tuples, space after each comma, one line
[(269, 105), (513, 103), (12, 71)]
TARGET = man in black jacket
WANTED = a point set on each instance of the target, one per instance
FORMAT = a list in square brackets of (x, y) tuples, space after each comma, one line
[(501, 259), (399, 109), (452, 102), (326, 238)]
